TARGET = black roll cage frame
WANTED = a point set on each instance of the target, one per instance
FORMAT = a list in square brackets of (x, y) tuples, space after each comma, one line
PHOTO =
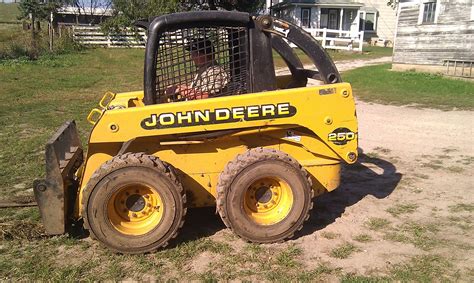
[(265, 33)]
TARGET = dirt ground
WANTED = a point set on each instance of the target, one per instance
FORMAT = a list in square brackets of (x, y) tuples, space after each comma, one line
[(403, 212), (410, 198)]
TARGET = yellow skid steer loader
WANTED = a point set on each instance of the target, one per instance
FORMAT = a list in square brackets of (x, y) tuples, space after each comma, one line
[(214, 126)]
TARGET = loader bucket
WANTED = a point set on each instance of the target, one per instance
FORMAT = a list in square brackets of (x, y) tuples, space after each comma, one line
[(55, 195)]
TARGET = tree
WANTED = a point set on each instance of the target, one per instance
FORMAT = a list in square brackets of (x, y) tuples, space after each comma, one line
[(35, 11), (250, 6), (126, 12), (393, 3)]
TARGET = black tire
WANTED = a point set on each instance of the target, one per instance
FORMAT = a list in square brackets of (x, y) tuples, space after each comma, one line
[(237, 179), (137, 169)]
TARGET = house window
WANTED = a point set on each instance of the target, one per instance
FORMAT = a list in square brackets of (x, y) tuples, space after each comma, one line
[(306, 17), (429, 11), (367, 21)]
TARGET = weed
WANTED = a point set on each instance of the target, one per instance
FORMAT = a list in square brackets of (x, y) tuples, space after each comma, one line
[(344, 251), (363, 238), (20, 230), (425, 268), (184, 252), (422, 236), (287, 258), (455, 169), (330, 235), (432, 165), (315, 274), (400, 209), (382, 149), (461, 207), (377, 224), (421, 176)]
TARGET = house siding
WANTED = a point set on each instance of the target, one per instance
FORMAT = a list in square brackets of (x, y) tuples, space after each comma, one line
[(451, 37), (386, 18)]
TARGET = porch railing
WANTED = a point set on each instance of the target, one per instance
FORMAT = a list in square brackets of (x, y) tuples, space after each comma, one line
[(338, 39)]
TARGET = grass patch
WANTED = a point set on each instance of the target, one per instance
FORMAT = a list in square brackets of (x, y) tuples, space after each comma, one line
[(287, 257), (432, 165), (400, 209), (379, 84), (315, 274), (344, 251), (45, 93), (377, 224), (455, 169), (9, 12), (462, 207), (422, 236), (363, 238), (421, 176), (426, 268), (330, 235)]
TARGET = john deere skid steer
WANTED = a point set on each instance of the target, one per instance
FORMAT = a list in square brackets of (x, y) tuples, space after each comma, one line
[(214, 126)]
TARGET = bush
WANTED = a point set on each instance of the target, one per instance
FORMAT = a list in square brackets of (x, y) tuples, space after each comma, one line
[(21, 46)]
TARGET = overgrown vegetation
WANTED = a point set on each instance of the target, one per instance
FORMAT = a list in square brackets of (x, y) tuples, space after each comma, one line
[(380, 84)]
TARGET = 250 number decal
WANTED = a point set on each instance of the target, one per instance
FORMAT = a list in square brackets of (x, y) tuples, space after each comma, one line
[(341, 136)]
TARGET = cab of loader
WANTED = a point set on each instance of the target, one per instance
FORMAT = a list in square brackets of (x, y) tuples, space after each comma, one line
[(239, 44), (214, 125)]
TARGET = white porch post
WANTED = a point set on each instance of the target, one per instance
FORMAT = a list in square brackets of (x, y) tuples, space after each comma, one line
[(268, 4), (340, 20)]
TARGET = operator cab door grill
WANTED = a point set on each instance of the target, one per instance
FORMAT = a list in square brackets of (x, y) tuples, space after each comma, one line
[(226, 74)]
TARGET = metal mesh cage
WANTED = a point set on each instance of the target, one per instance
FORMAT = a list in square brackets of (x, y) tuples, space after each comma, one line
[(195, 63)]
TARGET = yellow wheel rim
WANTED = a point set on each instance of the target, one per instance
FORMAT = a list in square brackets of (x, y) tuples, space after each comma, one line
[(268, 201), (135, 209)]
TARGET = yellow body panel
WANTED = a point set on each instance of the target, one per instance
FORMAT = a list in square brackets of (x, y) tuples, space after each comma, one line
[(297, 121)]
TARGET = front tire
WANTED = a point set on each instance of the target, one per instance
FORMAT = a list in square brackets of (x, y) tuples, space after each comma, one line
[(134, 204), (264, 195)]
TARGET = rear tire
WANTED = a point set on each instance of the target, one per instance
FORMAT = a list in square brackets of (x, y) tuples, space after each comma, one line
[(134, 203), (264, 195)]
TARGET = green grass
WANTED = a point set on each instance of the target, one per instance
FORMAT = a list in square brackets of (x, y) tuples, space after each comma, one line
[(462, 207), (330, 235), (39, 96), (344, 250), (425, 268), (363, 238), (377, 224), (370, 52), (9, 12), (422, 236), (400, 209), (380, 84)]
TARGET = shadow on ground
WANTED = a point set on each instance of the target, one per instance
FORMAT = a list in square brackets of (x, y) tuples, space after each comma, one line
[(369, 176)]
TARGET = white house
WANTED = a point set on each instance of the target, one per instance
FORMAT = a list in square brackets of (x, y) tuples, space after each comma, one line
[(374, 17)]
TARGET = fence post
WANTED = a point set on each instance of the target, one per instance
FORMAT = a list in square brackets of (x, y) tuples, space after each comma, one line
[(108, 40)]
